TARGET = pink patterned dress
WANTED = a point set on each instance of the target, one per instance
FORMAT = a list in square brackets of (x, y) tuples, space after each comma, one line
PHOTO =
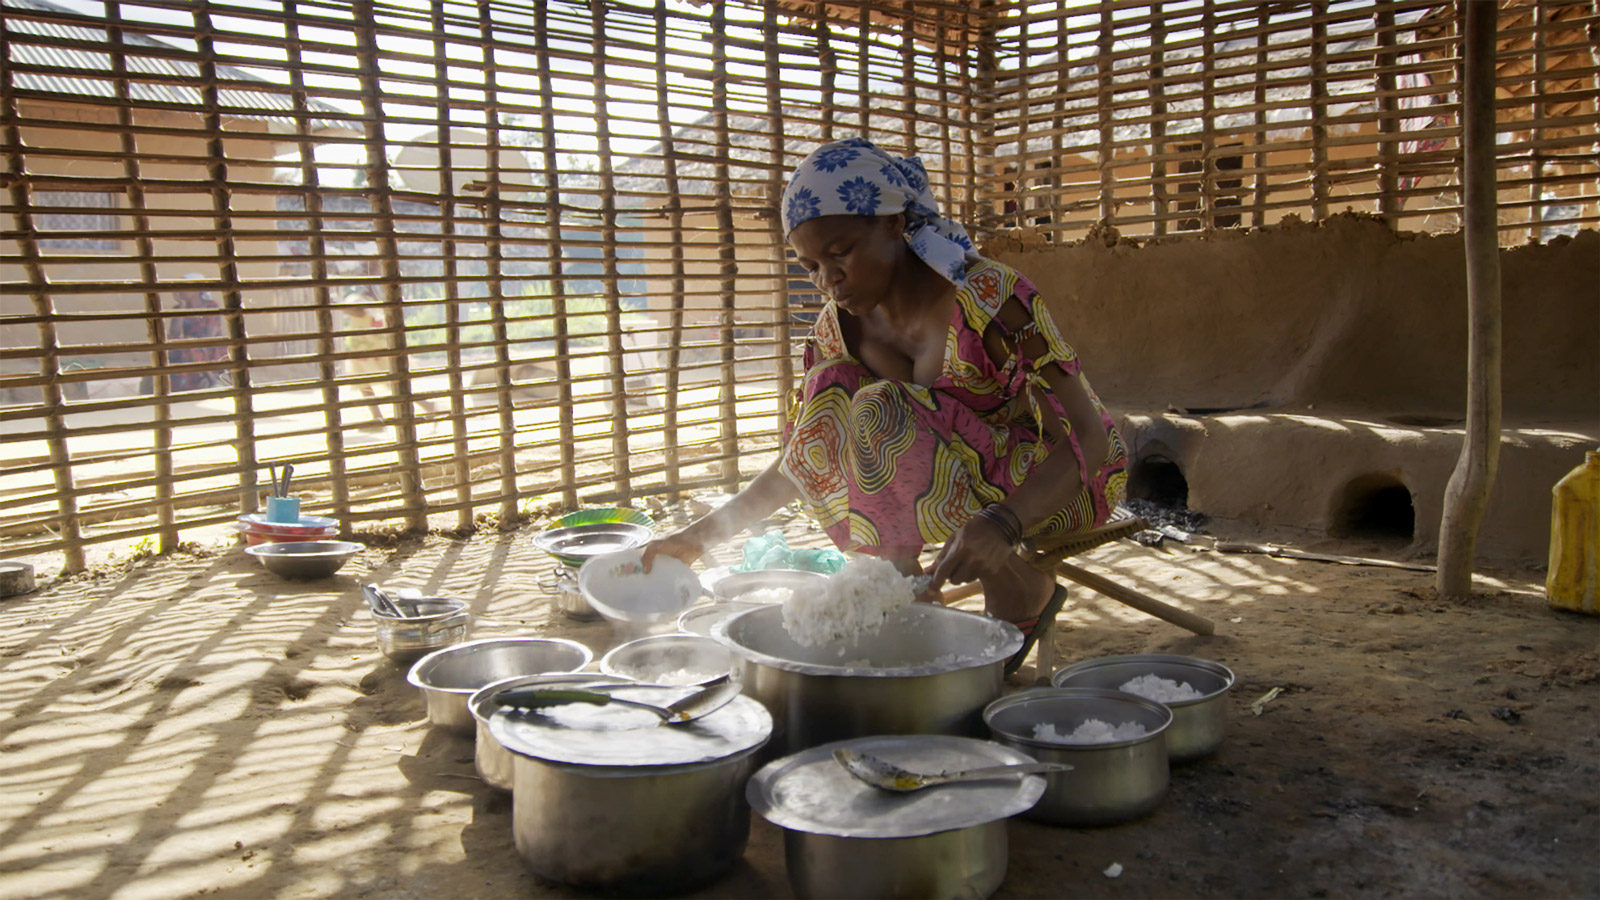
[(888, 467)]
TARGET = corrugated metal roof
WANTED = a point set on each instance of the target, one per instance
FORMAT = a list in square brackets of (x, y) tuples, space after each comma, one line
[(96, 65)]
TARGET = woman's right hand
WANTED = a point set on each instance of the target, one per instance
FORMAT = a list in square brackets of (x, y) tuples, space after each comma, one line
[(678, 545)]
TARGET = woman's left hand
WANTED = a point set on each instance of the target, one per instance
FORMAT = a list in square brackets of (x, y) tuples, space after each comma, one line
[(977, 550)]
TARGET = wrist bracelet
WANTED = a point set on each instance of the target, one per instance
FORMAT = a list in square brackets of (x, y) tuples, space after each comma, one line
[(1005, 520)]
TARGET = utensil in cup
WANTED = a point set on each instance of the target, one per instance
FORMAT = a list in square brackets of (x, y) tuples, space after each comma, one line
[(880, 773)]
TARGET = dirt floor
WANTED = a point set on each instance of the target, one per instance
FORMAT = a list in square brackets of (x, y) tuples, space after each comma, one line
[(192, 725)]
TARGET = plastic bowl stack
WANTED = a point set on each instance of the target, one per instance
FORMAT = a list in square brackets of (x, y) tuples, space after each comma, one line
[(258, 530)]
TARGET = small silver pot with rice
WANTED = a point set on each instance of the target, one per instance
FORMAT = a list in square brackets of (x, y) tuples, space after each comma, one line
[(1198, 724), (494, 762), (608, 798), (928, 670), (1115, 743), (448, 677), (844, 838)]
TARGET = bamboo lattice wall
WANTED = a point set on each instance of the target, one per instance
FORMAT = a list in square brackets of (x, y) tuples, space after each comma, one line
[(553, 222)]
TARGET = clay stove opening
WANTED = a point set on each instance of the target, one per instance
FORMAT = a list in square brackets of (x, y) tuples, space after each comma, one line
[(1159, 480), (1375, 507)]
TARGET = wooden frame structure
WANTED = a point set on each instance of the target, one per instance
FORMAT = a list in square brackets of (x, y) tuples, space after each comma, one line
[(565, 214)]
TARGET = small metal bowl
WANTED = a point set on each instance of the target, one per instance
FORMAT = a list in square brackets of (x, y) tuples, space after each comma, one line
[(1198, 725), (449, 676), (701, 619), (428, 624), (1110, 782), (670, 659), (736, 585), (495, 763), (304, 560)]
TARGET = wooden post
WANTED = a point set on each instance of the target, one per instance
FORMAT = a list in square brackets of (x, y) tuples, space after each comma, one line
[(673, 476), (1467, 494)]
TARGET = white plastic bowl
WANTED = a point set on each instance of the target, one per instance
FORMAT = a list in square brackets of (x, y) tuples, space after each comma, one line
[(617, 586)]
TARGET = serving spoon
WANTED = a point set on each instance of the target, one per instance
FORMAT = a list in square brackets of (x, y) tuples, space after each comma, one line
[(885, 775), (697, 705)]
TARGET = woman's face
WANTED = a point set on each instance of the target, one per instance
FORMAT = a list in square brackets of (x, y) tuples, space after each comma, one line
[(853, 260)]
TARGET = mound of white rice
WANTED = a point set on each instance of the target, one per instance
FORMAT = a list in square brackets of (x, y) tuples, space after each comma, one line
[(766, 595), (1092, 731), (856, 601), (1161, 690)]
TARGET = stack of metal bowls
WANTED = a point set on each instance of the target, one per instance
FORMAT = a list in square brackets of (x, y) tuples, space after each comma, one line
[(1198, 724)]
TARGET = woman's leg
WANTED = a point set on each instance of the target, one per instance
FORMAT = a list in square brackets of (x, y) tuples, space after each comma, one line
[(1017, 593)]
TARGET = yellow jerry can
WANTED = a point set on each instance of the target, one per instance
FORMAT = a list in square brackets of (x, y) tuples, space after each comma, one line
[(1573, 581)]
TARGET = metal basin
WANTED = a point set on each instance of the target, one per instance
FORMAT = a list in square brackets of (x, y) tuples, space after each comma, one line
[(929, 670), (736, 585), (429, 623), (1198, 726), (494, 761), (449, 677), (304, 560), (670, 659), (1109, 782)]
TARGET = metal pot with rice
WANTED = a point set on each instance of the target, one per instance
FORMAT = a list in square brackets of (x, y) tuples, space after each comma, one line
[(925, 669)]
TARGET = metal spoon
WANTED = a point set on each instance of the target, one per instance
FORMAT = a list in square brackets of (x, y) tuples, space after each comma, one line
[(380, 602), (697, 705), (880, 773)]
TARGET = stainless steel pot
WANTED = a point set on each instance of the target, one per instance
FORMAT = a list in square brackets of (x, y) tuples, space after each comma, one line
[(929, 670), (448, 677), (656, 809), (1198, 726), (843, 838), (565, 595), (961, 863), (1110, 782), (494, 762), (428, 624)]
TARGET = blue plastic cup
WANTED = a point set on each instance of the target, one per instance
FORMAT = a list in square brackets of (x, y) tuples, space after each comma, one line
[(285, 510)]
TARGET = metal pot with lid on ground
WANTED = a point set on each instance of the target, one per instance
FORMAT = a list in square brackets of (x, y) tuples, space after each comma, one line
[(609, 798), (845, 838)]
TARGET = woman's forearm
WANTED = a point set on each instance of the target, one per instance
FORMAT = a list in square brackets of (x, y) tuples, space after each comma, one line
[(764, 494), (1051, 485)]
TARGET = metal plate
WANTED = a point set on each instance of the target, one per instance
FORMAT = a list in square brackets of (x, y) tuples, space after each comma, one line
[(579, 542), (811, 792), (585, 735)]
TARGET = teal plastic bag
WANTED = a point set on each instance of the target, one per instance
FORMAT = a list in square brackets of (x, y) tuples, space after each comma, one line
[(771, 551)]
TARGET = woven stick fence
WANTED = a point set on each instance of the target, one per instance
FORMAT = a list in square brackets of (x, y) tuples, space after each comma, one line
[(455, 260)]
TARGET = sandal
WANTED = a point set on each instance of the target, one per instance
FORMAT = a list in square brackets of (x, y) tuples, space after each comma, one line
[(1036, 627)]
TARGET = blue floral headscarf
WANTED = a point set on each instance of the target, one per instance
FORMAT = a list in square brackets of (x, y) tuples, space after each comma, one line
[(856, 177)]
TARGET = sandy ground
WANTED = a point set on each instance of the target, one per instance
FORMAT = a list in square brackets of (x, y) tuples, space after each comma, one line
[(192, 725)]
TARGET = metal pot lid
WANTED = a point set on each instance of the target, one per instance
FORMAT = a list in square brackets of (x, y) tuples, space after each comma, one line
[(810, 792), (582, 734)]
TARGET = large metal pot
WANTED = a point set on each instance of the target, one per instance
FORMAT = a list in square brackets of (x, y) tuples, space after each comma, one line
[(842, 838), (494, 762), (448, 677), (607, 798), (928, 670), (1198, 725), (1110, 782)]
